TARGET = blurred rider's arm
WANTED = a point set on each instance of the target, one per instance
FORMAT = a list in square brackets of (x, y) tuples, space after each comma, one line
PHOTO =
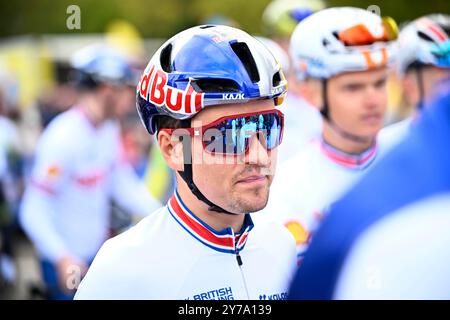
[(38, 213), (129, 191)]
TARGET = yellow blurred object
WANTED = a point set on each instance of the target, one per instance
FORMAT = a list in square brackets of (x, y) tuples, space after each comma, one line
[(397, 108), (391, 28), (299, 232), (29, 63), (158, 177), (125, 37)]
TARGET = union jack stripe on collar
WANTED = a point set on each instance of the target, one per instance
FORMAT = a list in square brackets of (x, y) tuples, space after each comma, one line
[(224, 241), (351, 161)]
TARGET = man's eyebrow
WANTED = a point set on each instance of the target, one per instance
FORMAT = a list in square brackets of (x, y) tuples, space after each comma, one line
[(381, 79), (354, 84)]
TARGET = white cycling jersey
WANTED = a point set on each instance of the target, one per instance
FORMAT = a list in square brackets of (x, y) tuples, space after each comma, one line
[(172, 254), (77, 170), (309, 182), (302, 123), (392, 135)]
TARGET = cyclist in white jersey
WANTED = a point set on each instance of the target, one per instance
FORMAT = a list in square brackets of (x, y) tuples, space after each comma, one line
[(209, 94), (422, 63), (341, 57), (78, 170)]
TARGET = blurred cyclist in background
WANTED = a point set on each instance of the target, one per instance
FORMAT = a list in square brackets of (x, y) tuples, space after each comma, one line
[(303, 121), (341, 55), (78, 170), (11, 185), (423, 61), (388, 238), (4, 217)]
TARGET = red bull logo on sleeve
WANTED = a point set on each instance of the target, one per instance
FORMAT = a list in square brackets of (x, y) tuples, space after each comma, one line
[(153, 88)]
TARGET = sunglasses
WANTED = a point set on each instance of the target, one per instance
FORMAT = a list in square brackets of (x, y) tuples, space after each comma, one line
[(359, 35), (232, 135)]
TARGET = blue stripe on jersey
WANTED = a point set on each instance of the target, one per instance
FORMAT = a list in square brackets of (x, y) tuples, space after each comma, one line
[(195, 236)]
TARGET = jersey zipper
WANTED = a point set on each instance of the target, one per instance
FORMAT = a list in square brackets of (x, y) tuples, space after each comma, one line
[(239, 262)]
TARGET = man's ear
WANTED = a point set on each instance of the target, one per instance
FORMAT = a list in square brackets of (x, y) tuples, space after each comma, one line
[(411, 88), (311, 91), (171, 149)]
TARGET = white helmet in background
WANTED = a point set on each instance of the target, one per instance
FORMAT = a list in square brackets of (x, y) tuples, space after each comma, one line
[(278, 52), (99, 63), (424, 41), (338, 40)]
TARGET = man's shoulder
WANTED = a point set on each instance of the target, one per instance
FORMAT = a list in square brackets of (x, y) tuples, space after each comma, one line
[(64, 130), (392, 134), (140, 235), (277, 243), (269, 232), (302, 160), (405, 231), (126, 264)]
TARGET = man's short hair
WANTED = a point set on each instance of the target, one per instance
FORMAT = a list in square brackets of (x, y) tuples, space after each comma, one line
[(167, 122)]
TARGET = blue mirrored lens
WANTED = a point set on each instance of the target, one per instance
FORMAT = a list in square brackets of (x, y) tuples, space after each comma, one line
[(233, 136)]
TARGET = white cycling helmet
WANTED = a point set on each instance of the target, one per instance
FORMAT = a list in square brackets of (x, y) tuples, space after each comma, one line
[(99, 63), (424, 41), (338, 40), (205, 66), (278, 52)]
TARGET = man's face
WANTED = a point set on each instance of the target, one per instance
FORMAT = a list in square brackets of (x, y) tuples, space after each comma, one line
[(357, 101), (120, 101), (239, 183)]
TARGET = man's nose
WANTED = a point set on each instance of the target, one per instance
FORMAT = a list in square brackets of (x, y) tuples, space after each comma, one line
[(257, 152), (373, 98)]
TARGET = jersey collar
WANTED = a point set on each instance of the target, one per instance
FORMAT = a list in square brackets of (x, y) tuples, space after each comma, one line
[(224, 241), (348, 160)]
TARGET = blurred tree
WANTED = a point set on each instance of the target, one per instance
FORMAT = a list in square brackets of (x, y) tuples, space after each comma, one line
[(162, 18), (400, 10)]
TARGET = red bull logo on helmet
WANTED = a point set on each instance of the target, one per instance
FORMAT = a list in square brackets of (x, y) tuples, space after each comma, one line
[(153, 88)]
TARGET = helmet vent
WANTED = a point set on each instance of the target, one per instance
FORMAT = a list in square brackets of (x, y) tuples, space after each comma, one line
[(424, 36), (207, 26), (325, 42), (243, 52), (165, 58), (276, 79), (215, 85)]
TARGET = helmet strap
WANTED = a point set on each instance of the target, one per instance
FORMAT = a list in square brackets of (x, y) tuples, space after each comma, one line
[(187, 176), (325, 108), (419, 76)]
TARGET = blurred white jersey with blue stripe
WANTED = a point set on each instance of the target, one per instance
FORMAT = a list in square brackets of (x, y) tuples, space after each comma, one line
[(388, 237), (172, 254), (376, 271), (302, 123), (392, 135), (305, 185)]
